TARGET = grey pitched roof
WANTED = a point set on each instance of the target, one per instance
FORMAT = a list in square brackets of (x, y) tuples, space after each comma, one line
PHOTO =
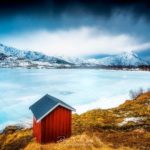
[(45, 105)]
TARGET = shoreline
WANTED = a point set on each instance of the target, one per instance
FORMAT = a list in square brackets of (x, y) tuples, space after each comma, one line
[(96, 68), (28, 123)]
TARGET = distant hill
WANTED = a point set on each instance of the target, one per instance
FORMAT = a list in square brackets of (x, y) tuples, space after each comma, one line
[(12, 57), (21, 58), (123, 59)]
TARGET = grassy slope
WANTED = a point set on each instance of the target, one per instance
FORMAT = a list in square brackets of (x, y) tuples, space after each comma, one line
[(97, 129)]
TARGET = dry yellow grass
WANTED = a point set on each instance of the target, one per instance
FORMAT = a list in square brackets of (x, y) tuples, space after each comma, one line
[(14, 140), (79, 142)]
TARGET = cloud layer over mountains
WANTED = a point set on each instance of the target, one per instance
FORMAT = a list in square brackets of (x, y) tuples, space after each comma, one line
[(75, 27)]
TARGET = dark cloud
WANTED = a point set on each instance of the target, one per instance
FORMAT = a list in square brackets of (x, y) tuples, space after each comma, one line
[(139, 8), (115, 16)]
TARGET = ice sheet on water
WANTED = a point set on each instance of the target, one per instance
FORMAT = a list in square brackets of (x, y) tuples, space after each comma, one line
[(82, 88)]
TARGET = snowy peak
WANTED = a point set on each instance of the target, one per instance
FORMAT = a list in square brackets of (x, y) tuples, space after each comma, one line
[(29, 55), (12, 57), (123, 59), (128, 55)]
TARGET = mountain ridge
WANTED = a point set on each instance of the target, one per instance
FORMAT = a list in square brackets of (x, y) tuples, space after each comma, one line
[(13, 57), (124, 59), (32, 58)]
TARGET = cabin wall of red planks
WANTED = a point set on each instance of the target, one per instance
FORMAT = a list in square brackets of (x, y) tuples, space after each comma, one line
[(55, 126), (37, 130)]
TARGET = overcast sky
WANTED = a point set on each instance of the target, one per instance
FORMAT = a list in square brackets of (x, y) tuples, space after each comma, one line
[(77, 27)]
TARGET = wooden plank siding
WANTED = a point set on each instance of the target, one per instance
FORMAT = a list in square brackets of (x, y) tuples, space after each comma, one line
[(37, 130), (54, 126)]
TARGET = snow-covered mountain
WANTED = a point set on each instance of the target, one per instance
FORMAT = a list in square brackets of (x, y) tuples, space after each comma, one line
[(80, 61), (12, 57), (123, 59), (30, 55)]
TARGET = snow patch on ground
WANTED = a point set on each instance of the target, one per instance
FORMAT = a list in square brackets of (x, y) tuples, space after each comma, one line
[(130, 119)]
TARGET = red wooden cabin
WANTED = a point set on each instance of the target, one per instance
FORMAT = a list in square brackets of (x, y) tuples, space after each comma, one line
[(52, 119)]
